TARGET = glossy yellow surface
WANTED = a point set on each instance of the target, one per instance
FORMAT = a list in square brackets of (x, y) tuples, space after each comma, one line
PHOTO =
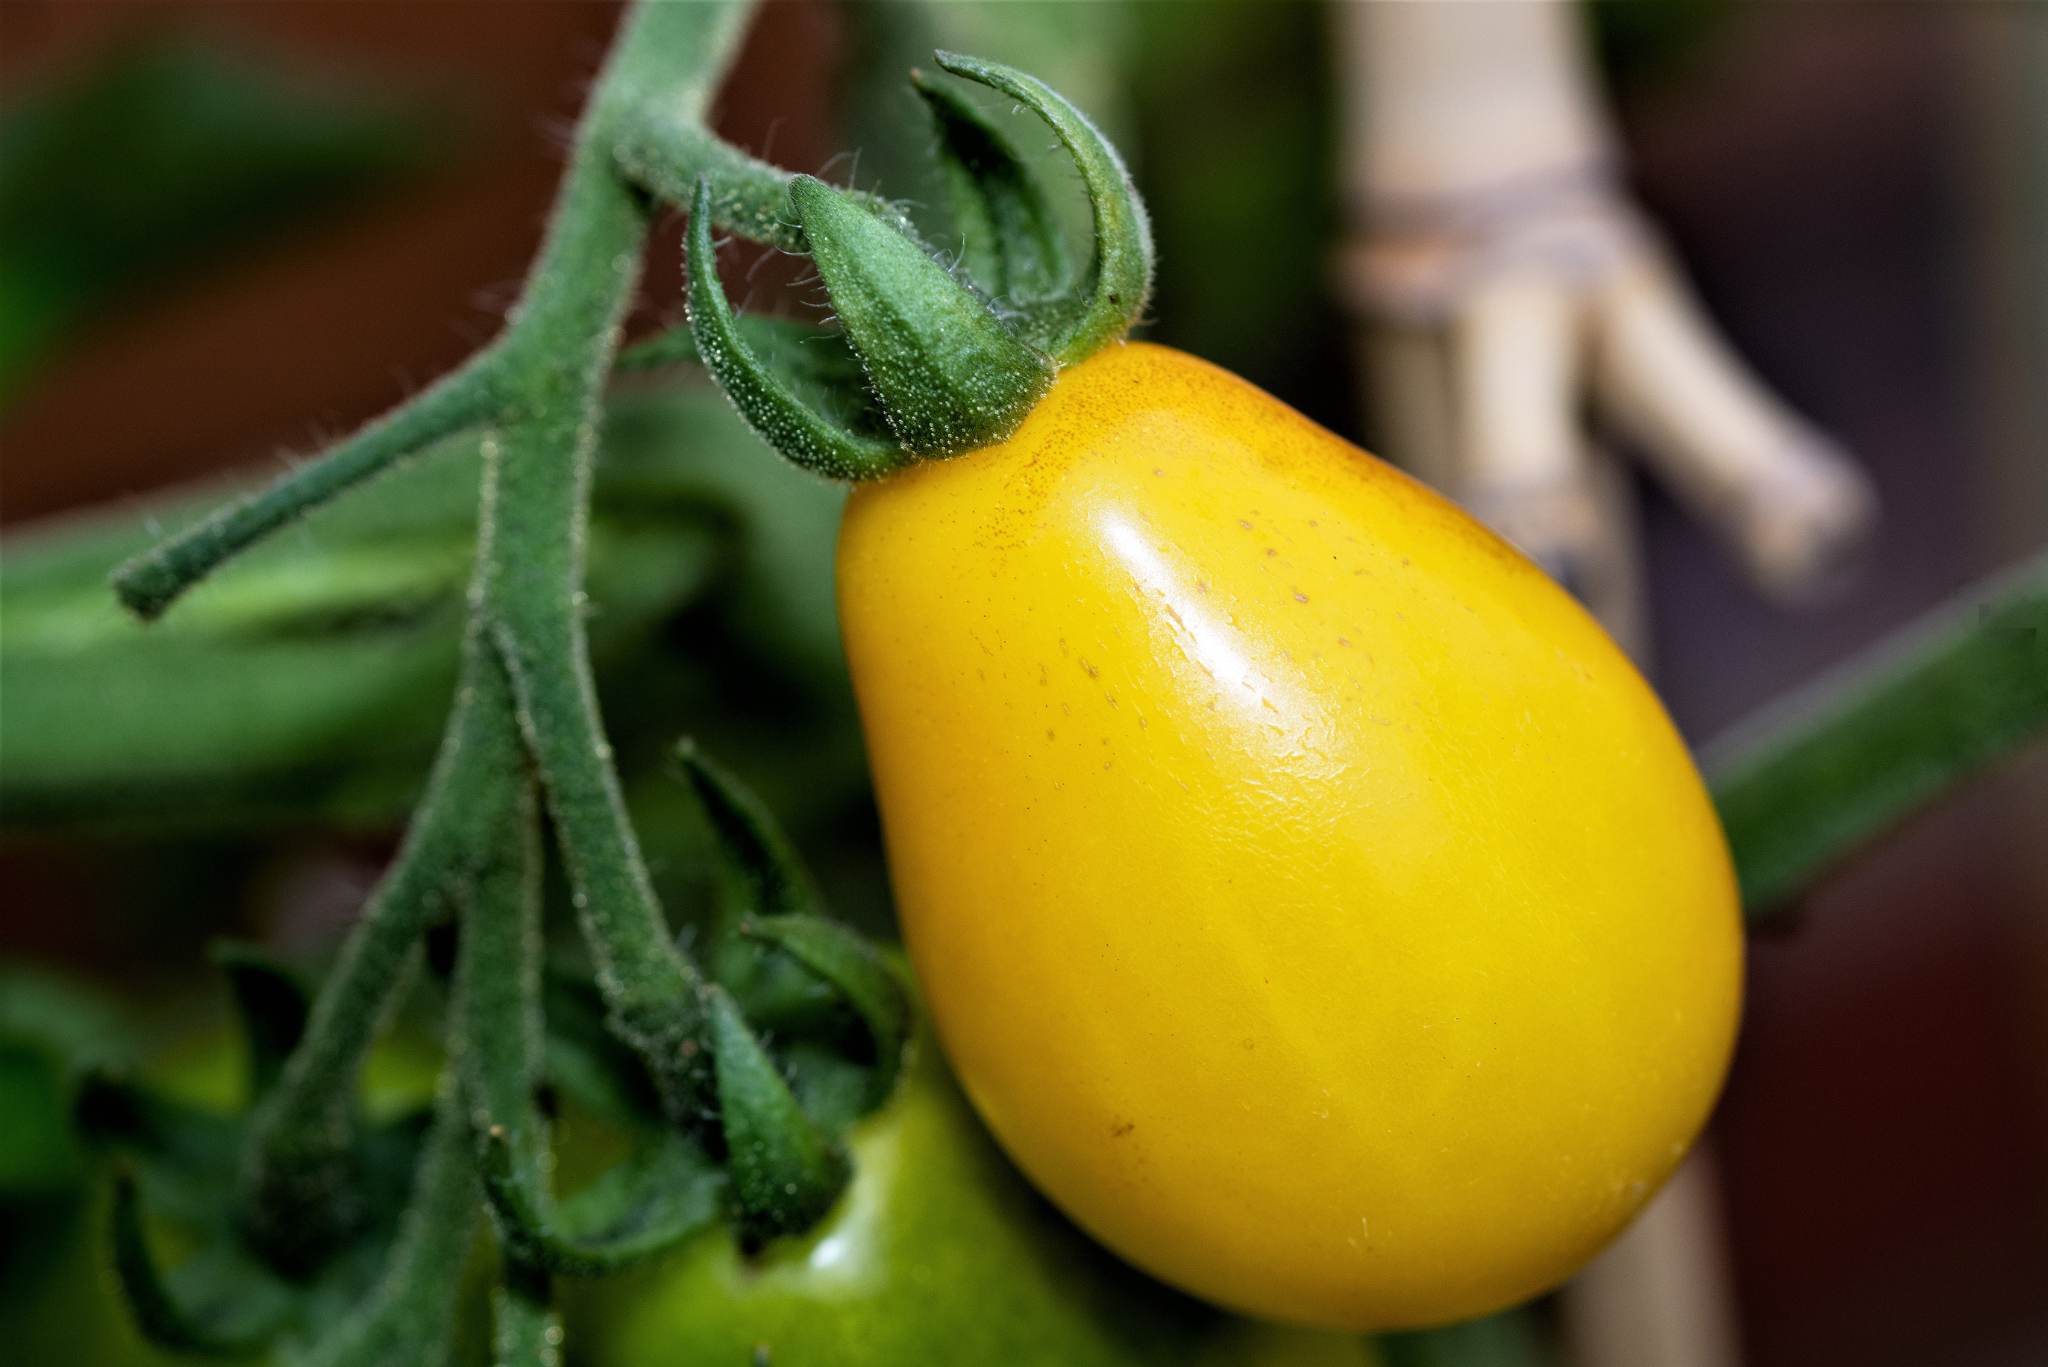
[(1313, 901)]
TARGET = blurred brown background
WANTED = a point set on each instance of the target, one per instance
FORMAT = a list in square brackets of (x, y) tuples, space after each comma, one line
[(1861, 192)]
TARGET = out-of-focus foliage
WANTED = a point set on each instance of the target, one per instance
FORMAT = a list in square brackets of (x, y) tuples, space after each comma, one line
[(1512, 1339), (1837, 765), (47, 1028), (1237, 153), (311, 678), (59, 1294), (1645, 41), (165, 154), (61, 1301)]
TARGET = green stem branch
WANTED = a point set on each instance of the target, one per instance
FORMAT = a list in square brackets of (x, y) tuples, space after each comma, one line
[(152, 581), (531, 578), (1816, 778), (526, 602), (664, 155), (300, 1178), (410, 1316)]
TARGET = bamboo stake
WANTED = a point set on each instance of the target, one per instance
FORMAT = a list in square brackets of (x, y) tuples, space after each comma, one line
[(1501, 281), (1487, 222)]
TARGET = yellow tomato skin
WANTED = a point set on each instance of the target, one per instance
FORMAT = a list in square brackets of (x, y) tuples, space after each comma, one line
[(1312, 899)]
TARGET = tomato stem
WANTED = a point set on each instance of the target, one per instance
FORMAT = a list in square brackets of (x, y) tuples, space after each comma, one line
[(1812, 780), (409, 1316), (153, 580), (525, 693), (300, 1181)]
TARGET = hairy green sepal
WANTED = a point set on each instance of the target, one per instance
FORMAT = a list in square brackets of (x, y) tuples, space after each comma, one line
[(955, 355), (948, 374), (1009, 238), (768, 401), (1112, 294)]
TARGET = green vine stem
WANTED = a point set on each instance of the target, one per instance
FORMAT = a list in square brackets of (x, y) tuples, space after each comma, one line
[(1815, 778), (526, 623), (299, 1178), (410, 1315), (150, 582), (525, 733), (526, 692)]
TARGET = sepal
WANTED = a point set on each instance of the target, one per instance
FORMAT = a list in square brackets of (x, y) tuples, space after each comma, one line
[(804, 436), (211, 1304), (785, 1171), (1010, 239), (757, 869), (948, 374), (1113, 291), (862, 978), (666, 1191)]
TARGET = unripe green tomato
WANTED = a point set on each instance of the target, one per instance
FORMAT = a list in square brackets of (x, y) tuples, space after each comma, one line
[(938, 1254)]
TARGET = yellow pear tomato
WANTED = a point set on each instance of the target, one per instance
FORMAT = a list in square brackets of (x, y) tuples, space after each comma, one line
[(1312, 899)]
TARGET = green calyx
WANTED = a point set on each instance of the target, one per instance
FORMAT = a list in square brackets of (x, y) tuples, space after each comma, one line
[(948, 374), (952, 356), (785, 1170), (1101, 306), (1009, 239), (765, 396)]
